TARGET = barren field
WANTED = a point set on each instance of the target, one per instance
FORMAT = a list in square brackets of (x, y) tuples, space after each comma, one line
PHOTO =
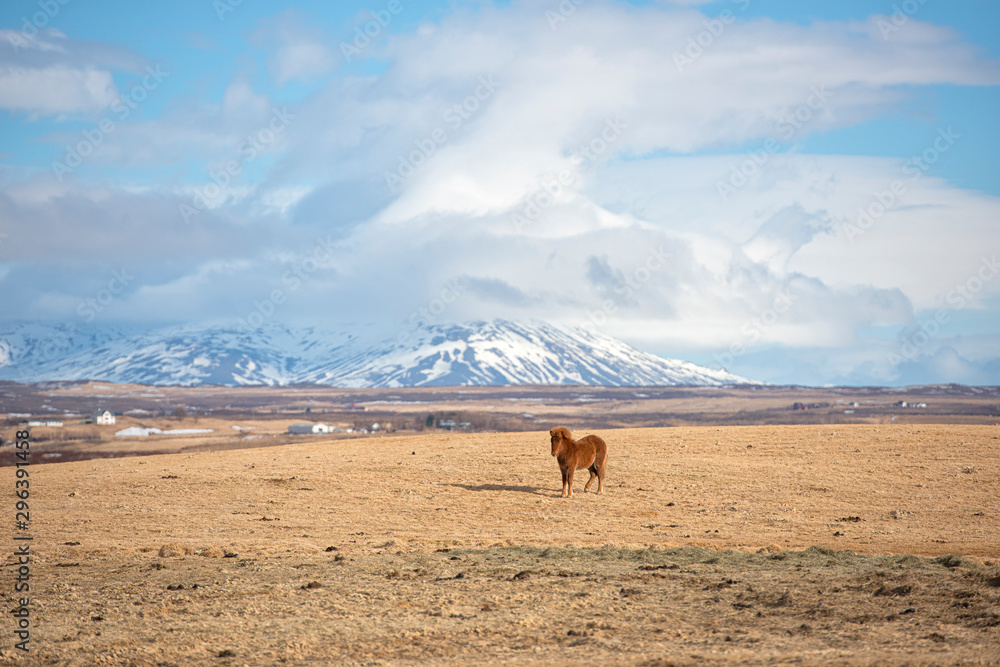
[(815, 544)]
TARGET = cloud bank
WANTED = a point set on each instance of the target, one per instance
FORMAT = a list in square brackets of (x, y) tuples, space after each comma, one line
[(636, 168)]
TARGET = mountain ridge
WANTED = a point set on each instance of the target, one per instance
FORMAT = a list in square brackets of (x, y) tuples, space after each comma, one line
[(494, 352)]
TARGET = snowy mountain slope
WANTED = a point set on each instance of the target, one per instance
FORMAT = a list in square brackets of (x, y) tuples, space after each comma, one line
[(177, 355), (502, 352), (478, 353), (30, 344)]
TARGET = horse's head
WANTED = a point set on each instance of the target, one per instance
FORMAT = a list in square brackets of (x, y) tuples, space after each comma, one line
[(559, 434)]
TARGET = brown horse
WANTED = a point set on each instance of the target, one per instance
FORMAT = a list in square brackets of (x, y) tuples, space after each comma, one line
[(587, 452)]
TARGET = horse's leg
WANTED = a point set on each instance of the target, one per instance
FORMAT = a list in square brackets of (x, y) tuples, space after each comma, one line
[(599, 471), (568, 484), (563, 470), (593, 474)]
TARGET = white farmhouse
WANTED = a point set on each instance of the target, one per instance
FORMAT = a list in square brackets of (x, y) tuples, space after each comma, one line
[(104, 418), (309, 428)]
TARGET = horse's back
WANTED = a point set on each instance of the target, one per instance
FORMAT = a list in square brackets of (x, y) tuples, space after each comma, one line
[(596, 445)]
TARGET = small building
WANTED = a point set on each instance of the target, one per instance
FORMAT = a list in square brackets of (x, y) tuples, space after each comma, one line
[(44, 422), (104, 418), (308, 429)]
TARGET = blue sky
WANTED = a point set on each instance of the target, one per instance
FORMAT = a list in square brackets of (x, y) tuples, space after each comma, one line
[(823, 176)]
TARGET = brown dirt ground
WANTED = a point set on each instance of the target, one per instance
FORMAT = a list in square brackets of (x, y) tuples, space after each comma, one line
[(712, 545)]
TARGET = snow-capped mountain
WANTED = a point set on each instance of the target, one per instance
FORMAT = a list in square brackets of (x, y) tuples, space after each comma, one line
[(503, 352), (478, 353)]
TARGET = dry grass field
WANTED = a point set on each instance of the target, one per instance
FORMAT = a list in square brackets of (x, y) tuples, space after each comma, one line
[(813, 544)]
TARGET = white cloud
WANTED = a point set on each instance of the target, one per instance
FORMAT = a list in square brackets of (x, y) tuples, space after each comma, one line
[(55, 90), (51, 74), (558, 88), (301, 61), (298, 52), (282, 200), (931, 238)]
